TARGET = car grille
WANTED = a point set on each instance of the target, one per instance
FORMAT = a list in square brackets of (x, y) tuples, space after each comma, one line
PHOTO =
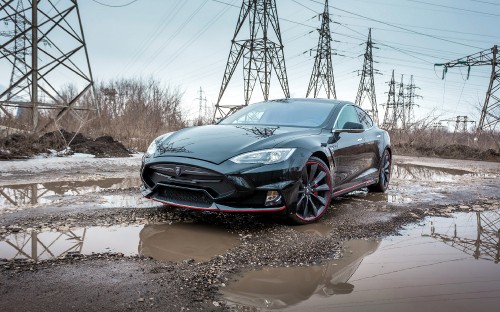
[(197, 178), (184, 197)]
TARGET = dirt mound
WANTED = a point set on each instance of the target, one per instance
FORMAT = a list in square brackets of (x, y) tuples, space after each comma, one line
[(18, 146), (454, 151)]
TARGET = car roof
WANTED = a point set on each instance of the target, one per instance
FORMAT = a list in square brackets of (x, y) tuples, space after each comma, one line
[(313, 100)]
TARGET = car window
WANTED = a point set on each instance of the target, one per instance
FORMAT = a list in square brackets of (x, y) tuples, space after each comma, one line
[(282, 113), (364, 118), (348, 118), (250, 117)]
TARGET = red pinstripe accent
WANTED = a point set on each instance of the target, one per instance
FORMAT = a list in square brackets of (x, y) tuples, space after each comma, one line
[(242, 210), (354, 186)]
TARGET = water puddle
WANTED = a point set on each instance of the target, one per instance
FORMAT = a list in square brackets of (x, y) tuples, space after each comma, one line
[(13, 197), (184, 241), (171, 242), (425, 173), (446, 264), (275, 288), (52, 245)]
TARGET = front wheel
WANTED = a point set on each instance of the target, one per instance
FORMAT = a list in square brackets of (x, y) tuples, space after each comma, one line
[(384, 174), (315, 192)]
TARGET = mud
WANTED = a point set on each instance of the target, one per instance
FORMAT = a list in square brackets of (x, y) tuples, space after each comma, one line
[(453, 151), (91, 243), (58, 143)]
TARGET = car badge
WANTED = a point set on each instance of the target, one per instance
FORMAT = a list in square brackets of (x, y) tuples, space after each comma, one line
[(178, 171)]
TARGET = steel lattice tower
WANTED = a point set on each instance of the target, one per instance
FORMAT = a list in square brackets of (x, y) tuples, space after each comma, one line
[(390, 106), (367, 82), (52, 33), (322, 74), (259, 53), (486, 243), (490, 114), (399, 112), (461, 123), (19, 68), (410, 102)]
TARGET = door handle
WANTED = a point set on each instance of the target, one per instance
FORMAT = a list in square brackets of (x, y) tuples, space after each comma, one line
[(360, 139), (378, 136)]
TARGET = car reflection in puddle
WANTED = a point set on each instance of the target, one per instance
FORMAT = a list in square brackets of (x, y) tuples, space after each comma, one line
[(448, 264), (185, 241), (274, 288)]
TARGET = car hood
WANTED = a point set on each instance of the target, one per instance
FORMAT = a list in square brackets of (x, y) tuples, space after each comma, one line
[(217, 143)]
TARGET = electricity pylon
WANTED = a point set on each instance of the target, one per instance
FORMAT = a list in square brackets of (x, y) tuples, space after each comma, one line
[(461, 123), (260, 54), (399, 113), (18, 51), (52, 33), (410, 102), (322, 74), (390, 106), (367, 82), (485, 245), (490, 114)]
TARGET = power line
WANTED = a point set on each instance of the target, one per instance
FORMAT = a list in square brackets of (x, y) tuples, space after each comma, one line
[(487, 2), (454, 8), (115, 6), (399, 27), (165, 21)]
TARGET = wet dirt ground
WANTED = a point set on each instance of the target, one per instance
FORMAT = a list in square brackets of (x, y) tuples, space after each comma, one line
[(75, 234)]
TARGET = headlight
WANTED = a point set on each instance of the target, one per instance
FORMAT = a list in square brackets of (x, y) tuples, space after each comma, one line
[(269, 156), (153, 146)]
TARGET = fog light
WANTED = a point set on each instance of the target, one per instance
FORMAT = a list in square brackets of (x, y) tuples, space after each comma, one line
[(273, 198)]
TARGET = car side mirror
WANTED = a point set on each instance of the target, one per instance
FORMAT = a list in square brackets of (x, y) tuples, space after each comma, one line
[(351, 127)]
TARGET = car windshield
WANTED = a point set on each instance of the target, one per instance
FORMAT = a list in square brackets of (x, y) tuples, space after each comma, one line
[(282, 113)]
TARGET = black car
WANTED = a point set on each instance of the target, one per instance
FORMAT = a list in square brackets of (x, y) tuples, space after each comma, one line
[(290, 155)]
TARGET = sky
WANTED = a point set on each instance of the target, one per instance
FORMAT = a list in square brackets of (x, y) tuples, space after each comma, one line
[(185, 45)]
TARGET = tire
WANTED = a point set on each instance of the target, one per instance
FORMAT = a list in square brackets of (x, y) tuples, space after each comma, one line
[(384, 175), (315, 192)]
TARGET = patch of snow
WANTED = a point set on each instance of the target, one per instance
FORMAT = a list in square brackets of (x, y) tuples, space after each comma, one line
[(82, 155)]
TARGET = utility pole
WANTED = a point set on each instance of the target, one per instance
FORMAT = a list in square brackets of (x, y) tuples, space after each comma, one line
[(260, 54), (367, 82), (322, 74), (51, 32), (390, 106), (410, 102), (490, 113)]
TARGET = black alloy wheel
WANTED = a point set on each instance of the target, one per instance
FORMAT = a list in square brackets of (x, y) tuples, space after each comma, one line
[(314, 193), (384, 174)]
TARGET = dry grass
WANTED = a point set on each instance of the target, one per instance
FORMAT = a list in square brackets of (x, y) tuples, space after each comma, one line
[(138, 112)]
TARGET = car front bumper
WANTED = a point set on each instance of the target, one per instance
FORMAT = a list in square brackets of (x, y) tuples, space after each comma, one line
[(227, 187)]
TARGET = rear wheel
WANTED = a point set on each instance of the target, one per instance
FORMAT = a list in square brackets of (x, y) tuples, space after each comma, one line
[(384, 174), (315, 192)]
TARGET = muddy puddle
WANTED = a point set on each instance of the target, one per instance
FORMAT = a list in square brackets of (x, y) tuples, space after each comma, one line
[(13, 197), (443, 264), (169, 242), (425, 173)]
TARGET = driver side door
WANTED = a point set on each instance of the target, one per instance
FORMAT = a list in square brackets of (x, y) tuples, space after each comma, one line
[(349, 151)]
